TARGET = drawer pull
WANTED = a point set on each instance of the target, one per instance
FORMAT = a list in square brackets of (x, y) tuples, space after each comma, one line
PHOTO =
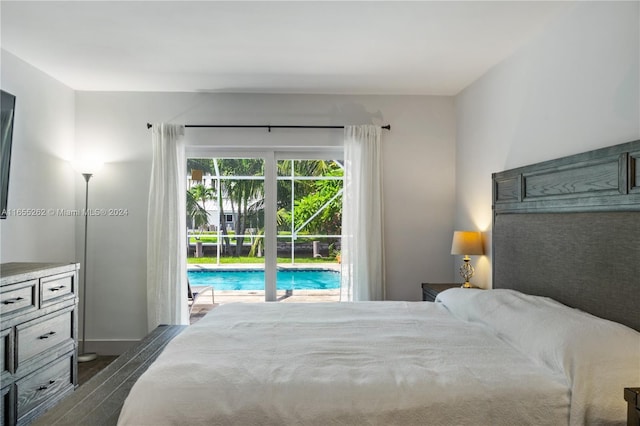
[(44, 387), (46, 336), (54, 289), (12, 301)]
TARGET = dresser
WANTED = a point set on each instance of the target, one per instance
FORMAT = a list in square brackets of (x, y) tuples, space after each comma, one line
[(38, 330)]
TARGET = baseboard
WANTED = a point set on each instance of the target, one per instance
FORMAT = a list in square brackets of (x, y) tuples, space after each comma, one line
[(110, 347)]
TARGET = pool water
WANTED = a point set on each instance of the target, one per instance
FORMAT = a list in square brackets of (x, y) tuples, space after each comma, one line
[(306, 279)]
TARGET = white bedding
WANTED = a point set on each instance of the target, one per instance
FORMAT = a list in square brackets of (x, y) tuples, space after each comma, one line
[(599, 358), (378, 363)]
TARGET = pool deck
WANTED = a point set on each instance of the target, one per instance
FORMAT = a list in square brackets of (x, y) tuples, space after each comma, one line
[(296, 296), (231, 266)]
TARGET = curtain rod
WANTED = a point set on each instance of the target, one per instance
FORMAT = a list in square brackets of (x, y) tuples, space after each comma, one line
[(267, 126)]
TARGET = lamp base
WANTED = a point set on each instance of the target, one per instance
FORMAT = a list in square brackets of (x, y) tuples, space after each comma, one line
[(86, 357), (467, 284)]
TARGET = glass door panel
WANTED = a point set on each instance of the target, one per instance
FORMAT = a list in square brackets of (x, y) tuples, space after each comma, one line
[(309, 228), (225, 220)]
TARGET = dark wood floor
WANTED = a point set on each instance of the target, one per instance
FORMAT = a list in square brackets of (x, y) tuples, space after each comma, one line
[(87, 370)]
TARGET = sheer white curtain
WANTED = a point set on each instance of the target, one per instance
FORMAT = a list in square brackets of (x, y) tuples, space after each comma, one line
[(362, 216), (166, 229)]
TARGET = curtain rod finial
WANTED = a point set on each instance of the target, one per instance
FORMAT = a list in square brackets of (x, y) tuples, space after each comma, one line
[(149, 125)]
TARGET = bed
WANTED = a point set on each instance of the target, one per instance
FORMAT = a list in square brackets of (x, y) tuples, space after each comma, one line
[(555, 342)]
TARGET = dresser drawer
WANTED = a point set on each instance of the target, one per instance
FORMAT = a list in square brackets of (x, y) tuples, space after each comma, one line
[(6, 349), (35, 390), (7, 414), (56, 286), (40, 335), (19, 298)]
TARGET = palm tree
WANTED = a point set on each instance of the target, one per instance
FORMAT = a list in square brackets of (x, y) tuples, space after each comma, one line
[(311, 195), (198, 214), (245, 197), (320, 211), (303, 187), (200, 194), (241, 193), (197, 195)]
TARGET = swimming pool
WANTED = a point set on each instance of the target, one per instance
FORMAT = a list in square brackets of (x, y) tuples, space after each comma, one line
[(302, 279)]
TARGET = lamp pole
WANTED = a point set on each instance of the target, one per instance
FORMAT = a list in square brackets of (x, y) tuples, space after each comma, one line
[(84, 356)]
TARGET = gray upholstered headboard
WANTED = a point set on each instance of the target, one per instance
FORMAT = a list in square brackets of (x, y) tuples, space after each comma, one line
[(570, 229)]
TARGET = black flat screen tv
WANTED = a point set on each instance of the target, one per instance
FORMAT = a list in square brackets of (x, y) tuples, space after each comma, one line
[(8, 107)]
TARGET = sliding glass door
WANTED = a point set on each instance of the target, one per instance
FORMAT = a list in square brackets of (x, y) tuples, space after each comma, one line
[(270, 217)]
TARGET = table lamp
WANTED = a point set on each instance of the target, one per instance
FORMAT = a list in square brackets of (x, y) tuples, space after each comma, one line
[(466, 243)]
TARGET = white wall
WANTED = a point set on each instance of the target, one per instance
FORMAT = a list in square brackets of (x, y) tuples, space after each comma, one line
[(40, 175), (419, 157), (573, 89)]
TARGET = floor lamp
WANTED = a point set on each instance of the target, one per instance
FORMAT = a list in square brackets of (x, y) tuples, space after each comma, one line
[(85, 356)]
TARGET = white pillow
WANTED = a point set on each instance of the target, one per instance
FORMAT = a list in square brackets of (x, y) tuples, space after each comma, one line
[(598, 357)]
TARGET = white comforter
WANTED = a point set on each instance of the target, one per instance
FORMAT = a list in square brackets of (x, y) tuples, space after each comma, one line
[(376, 363)]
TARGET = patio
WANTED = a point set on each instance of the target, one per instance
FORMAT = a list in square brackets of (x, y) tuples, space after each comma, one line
[(203, 303)]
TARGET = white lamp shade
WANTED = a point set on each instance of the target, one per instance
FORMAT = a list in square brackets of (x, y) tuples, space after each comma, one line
[(467, 242), (87, 165)]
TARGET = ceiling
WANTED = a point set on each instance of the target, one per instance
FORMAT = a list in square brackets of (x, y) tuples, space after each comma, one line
[(333, 47)]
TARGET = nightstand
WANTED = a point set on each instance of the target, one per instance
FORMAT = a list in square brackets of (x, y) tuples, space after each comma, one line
[(430, 290), (632, 396)]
